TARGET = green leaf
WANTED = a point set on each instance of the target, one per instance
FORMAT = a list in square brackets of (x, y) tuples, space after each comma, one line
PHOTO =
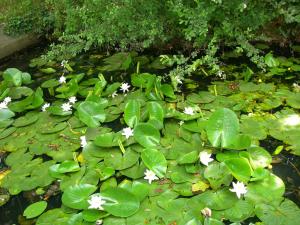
[(108, 140), (240, 168), (271, 61), (120, 202), (6, 114), (155, 161), (68, 166), (91, 113), (222, 127), (35, 209), (53, 217), (287, 213), (259, 191), (217, 174), (146, 135), (132, 112), (258, 157), (156, 114), (13, 75), (76, 196)]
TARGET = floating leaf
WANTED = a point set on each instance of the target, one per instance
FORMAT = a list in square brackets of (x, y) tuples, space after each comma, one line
[(287, 213), (222, 127), (76, 196), (146, 135), (120, 202), (91, 113), (155, 161), (240, 168), (132, 113), (35, 209)]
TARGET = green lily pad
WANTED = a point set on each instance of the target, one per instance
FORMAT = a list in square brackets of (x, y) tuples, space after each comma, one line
[(35, 209), (146, 135), (286, 213), (120, 202), (132, 113), (222, 127), (91, 113), (155, 161), (76, 196)]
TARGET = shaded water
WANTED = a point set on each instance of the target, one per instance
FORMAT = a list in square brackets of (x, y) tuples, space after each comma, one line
[(284, 165)]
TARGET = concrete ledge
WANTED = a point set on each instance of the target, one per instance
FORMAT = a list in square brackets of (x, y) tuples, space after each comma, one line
[(10, 45)]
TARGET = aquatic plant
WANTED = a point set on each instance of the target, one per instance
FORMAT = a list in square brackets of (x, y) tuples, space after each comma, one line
[(136, 151)]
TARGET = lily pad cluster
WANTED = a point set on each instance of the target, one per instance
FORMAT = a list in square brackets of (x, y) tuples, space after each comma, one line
[(138, 152)]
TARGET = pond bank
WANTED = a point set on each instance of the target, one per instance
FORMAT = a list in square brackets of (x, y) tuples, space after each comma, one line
[(10, 45)]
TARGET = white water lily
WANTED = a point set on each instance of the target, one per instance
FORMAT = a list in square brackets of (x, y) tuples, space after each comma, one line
[(127, 132), (150, 176), (62, 79), (239, 188), (7, 100), (64, 63), (83, 141), (66, 107), (292, 120), (114, 94), (72, 100), (125, 87), (178, 80), (3, 105), (45, 106), (206, 212), (181, 123), (205, 157), (188, 111), (96, 202), (98, 222)]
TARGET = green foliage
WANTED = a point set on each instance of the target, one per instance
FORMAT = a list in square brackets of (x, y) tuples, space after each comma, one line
[(173, 24), (126, 157)]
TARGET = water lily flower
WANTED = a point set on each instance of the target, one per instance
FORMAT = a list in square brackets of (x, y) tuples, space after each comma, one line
[(127, 132), (206, 212), (3, 105), (96, 202), (7, 100), (178, 80), (72, 100), (99, 222), (64, 63), (150, 176), (83, 141), (45, 106), (205, 158), (66, 107), (188, 111), (62, 79), (181, 123), (125, 87), (239, 188), (114, 94), (292, 120)]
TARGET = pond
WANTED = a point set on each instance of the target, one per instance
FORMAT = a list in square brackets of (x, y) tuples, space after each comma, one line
[(131, 139)]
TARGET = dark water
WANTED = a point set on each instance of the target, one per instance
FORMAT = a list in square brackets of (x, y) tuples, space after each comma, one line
[(285, 165)]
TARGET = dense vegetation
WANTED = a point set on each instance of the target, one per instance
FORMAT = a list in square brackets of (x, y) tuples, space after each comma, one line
[(184, 25)]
